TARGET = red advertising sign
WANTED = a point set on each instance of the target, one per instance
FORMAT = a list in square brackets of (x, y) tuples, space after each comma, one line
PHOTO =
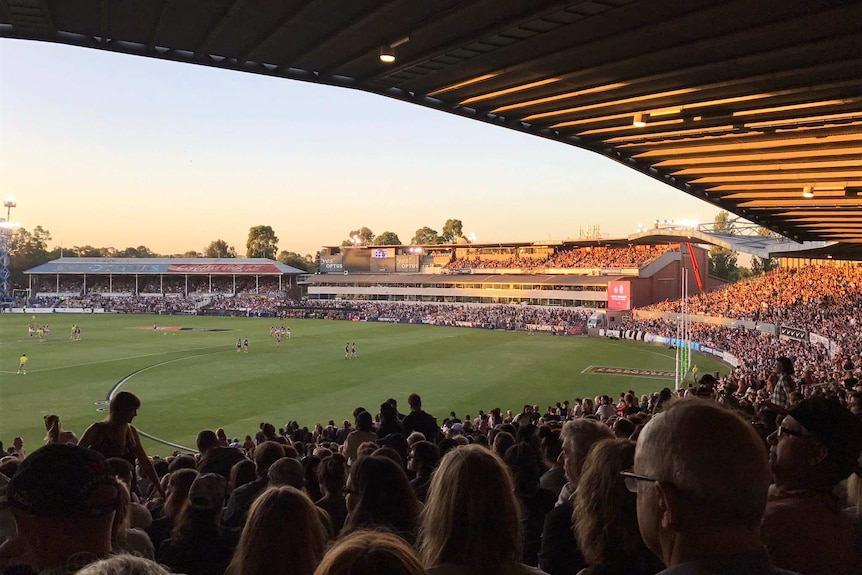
[(619, 295), (243, 269)]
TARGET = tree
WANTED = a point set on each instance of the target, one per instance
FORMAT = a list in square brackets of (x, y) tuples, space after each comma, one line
[(138, 252), (453, 230), (425, 236), (387, 239), (262, 243), (27, 250), (722, 261), (87, 252), (219, 249), (764, 265), (190, 254), (362, 236), (295, 260)]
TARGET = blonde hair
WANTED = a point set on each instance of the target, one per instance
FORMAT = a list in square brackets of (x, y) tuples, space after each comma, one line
[(605, 514), (284, 522), (370, 553), (52, 425), (472, 517)]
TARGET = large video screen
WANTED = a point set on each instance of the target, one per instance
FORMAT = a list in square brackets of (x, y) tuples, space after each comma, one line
[(619, 295)]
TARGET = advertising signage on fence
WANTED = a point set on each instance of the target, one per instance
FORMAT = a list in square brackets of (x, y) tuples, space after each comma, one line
[(793, 333), (619, 295), (331, 265)]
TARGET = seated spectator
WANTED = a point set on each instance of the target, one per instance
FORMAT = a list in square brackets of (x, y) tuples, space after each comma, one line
[(177, 490), (700, 501), (125, 538), (379, 496), (471, 523), (195, 546), (214, 457), (283, 535), (559, 553), (523, 463), (370, 553), (422, 461), (63, 499), (605, 515), (55, 433), (816, 447), (331, 475), (123, 565), (241, 498)]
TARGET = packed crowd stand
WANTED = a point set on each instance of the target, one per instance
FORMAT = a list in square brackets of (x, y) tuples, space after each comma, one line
[(586, 257), (525, 491)]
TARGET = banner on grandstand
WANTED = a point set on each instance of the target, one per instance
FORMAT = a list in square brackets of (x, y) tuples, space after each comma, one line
[(407, 264), (831, 346), (245, 269), (619, 295), (331, 265), (794, 333)]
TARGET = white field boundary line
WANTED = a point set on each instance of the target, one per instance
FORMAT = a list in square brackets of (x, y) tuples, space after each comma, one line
[(119, 384)]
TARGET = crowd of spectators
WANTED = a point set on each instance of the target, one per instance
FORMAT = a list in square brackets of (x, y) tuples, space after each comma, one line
[(572, 258), (532, 491)]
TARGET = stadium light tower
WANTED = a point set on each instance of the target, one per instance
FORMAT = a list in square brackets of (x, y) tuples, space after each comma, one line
[(6, 229)]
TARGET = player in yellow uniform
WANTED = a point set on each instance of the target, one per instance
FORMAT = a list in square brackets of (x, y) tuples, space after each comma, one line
[(22, 364)]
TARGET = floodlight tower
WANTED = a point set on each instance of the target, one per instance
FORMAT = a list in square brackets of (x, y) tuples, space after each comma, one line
[(6, 228)]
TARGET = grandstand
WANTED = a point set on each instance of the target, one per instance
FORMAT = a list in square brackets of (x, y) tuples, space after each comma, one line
[(568, 274)]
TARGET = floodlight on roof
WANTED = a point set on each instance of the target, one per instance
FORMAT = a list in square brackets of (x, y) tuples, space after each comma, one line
[(808, 192), (387, 51)]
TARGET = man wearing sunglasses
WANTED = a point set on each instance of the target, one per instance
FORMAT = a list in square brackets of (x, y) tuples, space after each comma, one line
[(815, 448), (701, 478)]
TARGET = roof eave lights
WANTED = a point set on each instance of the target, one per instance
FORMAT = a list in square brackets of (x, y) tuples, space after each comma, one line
[(639, 121), (808, 192), (387, 51)]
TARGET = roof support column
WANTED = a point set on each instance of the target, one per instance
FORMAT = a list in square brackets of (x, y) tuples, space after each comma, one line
[(187, 286), (110, 283), (234, 284), (162, 284), (257, 284), (57, 283), (211, 282), (136, 284)]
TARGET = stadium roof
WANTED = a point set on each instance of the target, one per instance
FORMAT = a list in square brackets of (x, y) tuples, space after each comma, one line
[(432, 279), (171, 266), (743, 103)]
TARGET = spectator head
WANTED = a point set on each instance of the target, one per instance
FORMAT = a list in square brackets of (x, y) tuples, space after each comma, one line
[(63, 499), (207, 439), (124, 407), (364, 421), (287, 471), (816, 447), (414, 401), (623, 428), (265, 455), (471, 485), (704, 478), (177, 490), (605, 515), (123, 565), (784, 365), (379, 495), (415, 437), (502, 442), (423, 459), (578, 437), (397, 442), (208, 491), (331, 474), (269, 543), (242, 472), (184, 461), (370, 553)]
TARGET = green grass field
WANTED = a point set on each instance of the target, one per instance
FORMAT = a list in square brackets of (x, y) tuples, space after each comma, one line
[(192, 380)]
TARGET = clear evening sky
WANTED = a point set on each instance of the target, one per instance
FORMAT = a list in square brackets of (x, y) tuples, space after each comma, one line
[(113, 150)]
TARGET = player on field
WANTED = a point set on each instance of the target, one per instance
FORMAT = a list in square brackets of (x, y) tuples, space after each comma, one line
[(239, 345), (22, 364), (353, 350), (245, 345), (346, 351)]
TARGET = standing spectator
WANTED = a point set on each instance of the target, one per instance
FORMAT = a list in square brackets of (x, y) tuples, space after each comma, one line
[(117, 437), (214, 457), (782, 384), (364, 432), (418, 420), (523, 462), (331, 475)]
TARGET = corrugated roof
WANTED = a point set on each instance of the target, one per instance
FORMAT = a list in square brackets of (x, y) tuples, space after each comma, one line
[(171, 266)]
